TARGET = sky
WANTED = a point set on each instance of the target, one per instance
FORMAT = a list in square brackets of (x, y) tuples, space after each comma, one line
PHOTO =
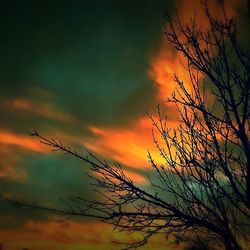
[(84, 72)]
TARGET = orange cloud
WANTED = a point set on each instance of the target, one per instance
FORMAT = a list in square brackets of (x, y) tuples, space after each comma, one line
[(185, 11), (40, 102), (9, 166), (68, 235), (22, 141), (22, 104), (137, 178), (129, 145), (43, 108), (168, 62), (125, 145), (54, 235), (164, 67)]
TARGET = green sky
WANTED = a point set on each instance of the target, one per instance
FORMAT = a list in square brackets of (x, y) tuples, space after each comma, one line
[(93, 54)]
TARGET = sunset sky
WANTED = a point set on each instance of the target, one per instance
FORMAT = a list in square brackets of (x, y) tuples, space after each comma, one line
[(84, 72)]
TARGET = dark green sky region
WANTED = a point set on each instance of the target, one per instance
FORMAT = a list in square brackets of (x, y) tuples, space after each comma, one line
[(89, 59), (93, 55)]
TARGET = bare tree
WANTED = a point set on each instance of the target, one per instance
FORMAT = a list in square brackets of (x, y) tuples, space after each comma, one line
[(203, 184)]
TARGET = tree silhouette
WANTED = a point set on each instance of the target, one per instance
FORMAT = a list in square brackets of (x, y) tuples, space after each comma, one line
[(203, 185)]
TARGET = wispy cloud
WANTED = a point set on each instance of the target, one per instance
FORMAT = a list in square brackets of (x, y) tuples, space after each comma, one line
[(22, 141)]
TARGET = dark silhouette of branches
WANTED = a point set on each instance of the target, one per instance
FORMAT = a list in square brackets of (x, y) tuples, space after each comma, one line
[(203, 183)]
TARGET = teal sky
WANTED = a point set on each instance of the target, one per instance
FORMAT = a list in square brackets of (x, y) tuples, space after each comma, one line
[(84, 52)]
